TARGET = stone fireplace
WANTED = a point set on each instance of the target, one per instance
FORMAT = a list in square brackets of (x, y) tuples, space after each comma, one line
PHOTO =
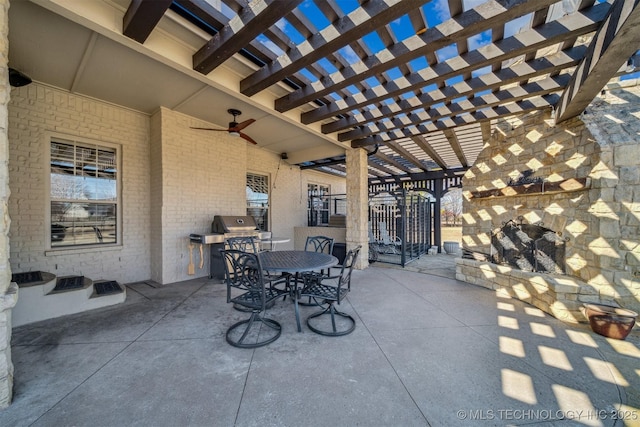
[(552, 212), (528, 247)]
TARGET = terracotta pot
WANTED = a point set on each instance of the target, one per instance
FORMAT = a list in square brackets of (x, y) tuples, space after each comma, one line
[(612, 325), (610, 321), (600, 309)]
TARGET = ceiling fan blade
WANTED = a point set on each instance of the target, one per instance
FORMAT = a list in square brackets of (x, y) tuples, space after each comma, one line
[(243, 125), (248, 138), (215, 130)]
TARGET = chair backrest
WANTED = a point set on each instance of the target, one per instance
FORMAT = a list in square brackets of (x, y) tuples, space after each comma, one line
[(384, 233), (321, 244), (244, 244), (244, 272), (372, 237), (347, 267)]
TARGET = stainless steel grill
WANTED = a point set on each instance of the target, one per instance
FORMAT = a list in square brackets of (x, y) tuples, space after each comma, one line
[(236, 225), (222, 228)]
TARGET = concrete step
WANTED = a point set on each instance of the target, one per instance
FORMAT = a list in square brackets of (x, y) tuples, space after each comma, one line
[(40, 300)]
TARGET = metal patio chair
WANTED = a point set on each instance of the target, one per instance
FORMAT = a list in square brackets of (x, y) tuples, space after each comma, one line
[(327, 292), (320, 244), (388, 244), (243, 273), (244, 244), (249, 244)]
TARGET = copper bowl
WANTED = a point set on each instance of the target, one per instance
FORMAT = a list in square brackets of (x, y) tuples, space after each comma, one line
[(612, 325)]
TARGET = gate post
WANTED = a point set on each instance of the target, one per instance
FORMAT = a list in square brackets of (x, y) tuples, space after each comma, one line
[(437, 221), (358, 204)]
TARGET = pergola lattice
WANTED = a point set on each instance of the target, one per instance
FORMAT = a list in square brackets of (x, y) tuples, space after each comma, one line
[(422, 80)]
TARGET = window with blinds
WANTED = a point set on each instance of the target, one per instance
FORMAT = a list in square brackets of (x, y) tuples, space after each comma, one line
[(258, 199), (84, 183)]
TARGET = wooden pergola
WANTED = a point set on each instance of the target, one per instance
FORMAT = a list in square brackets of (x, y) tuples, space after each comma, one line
[(423, 81)]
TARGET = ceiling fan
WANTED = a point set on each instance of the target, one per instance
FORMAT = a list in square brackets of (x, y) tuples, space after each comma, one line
[(235, 128)]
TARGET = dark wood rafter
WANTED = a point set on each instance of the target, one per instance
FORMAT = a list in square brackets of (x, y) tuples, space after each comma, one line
[(214, 19), (407, 155), (252, 21), (343, 32), (518, 93), (455, 146), (465, 25), (512, 47), (424, 145), (546, 65), (520, 107), (361, 81), (455, 175), (142, 16), (391, 161), (611, 46), (381, 168)]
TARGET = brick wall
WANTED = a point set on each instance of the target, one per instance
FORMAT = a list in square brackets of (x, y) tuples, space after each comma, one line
[(288, 190), (35, 111), (204, 174)]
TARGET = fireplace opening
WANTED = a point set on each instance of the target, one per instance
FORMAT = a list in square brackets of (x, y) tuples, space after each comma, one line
[(528, 247)]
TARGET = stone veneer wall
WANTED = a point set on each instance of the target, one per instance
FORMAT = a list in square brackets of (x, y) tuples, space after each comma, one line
[(601, 222), (8, 290)]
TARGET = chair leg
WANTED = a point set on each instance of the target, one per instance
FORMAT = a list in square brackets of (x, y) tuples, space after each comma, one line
[(255, 318), (295, 301), (331, 310)]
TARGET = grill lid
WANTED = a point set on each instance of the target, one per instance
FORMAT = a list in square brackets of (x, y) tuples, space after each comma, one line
[(231, 224)]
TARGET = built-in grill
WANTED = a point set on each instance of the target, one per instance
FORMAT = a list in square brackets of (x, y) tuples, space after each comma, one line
[(224, 227)]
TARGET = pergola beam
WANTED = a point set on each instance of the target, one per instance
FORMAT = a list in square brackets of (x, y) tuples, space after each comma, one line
[(617, 39), (512, 47), (421, 176), (520, 107), (347, 29), (546, 65), (424, 145), (518, 93), (407, 155), (253, 20), (142, 16), (458, 28), (392, 162), (381, 168), (455, 146)]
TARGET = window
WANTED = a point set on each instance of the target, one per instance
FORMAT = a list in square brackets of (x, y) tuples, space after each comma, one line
[(84, 191), (258, 199), (318, 204)]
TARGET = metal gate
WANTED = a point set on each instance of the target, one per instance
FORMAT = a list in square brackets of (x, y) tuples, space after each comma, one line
[(399, 226)]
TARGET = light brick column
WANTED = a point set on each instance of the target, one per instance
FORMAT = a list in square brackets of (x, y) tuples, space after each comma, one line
[(8, 290), (358, 204)]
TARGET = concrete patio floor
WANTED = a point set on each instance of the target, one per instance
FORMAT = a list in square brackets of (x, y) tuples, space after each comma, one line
[(427, 350)]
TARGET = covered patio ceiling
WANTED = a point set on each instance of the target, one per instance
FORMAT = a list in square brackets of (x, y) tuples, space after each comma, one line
[(417, 83)]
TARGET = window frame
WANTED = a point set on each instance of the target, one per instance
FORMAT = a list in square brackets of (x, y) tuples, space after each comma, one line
[(324, 211), (51, 138), (267, 177)]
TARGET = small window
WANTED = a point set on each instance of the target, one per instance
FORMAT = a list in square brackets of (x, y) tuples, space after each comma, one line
[(84, 187), (258, 199)]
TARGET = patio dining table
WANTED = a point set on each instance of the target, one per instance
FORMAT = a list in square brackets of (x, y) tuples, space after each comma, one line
[(296, 262)]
